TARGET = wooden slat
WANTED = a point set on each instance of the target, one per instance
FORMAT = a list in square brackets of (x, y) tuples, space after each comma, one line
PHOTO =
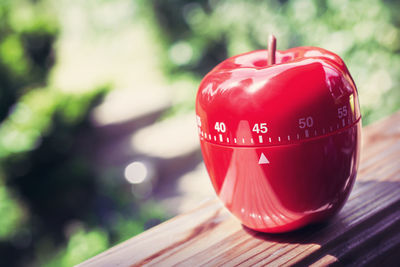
[(366, 231)]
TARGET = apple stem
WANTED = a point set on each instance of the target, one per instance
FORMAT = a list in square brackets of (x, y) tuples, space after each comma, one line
[(271, 49)]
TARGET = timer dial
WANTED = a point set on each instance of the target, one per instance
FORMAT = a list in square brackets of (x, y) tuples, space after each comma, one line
[(280, 142)]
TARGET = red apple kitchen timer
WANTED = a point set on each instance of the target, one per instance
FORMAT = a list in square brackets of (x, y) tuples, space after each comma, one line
[(280, 135)]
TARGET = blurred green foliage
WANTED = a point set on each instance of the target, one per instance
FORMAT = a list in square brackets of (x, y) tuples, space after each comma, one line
[(197, 35), (25, 59), (54, 208), (8, 206), (27, 33), (80, 245)]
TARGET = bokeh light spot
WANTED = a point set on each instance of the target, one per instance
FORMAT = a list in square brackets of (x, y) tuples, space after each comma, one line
[(136, 172), (181, 53)]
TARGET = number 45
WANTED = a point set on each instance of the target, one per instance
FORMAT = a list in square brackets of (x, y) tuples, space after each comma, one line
[(260, 127)]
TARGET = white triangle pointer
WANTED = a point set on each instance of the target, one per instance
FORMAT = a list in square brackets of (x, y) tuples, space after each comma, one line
[(263, 159)]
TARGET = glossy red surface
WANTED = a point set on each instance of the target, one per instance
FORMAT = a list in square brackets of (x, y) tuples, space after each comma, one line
[(281, 143)]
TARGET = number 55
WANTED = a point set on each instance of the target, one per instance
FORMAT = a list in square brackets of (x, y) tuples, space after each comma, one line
[(342, 112)]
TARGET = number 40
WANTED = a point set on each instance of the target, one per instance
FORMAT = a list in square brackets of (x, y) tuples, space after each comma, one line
[(220, 127)]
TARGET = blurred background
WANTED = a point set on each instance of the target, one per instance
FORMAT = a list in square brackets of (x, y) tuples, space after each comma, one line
[(97, 132)]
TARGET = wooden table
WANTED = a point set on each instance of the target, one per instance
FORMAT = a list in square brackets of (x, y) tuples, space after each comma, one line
[(366, 231)]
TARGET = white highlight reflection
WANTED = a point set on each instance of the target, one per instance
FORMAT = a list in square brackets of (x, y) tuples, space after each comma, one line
[(136, 172)]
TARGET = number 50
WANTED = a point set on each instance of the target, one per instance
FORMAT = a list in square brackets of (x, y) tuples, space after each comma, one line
[(306, 122)]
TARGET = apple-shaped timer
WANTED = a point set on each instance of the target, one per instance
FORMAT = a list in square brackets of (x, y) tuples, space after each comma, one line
[(280, 135)]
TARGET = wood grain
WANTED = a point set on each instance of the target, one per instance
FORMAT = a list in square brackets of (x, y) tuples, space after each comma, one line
[(366, 231)]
